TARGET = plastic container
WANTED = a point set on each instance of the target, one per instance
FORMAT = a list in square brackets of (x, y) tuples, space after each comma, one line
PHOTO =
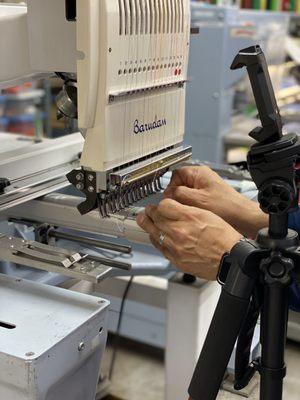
[(23, 103), (25, 124)]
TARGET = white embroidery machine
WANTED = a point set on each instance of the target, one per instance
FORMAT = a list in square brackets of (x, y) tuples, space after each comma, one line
[(124, 66)]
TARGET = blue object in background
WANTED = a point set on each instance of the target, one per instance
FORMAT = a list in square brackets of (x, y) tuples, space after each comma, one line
[(294, 223)]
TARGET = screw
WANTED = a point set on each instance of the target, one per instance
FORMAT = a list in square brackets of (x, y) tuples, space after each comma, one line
[(216, 95), (12, 246), (91, 178), (110, 49), (80, 186), (80, 176), (91, 189), (81, 346), (29, 354)]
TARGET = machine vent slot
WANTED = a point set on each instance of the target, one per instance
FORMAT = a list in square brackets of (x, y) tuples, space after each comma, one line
[(147, 17), (157, 11), (182, 16), (121, 17), (152, 17), (138, 17), (168, 16), (131, 16), (71, 10), (172, 15), (165, 11), (142, 5), (7, 325)]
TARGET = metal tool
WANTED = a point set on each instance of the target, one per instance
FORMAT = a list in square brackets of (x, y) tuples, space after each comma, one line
[(53, 233), (55, 259)]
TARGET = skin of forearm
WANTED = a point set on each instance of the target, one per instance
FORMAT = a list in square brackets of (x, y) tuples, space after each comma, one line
[(248, 218)]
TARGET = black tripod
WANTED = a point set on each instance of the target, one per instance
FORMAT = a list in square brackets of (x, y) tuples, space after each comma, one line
[(261, 271)]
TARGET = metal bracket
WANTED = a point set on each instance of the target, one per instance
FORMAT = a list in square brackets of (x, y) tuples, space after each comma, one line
[(53, 259)]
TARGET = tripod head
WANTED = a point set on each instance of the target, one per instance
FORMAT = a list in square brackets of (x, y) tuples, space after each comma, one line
[(272, 161), (254, 60)]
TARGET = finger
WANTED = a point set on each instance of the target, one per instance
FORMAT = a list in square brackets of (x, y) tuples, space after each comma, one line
[(177, 178), (161, 223), (168, 209), (155, 231), (173, 192), (147, 225), (186, 176), (188, 196), (168, 193), (194, 177), (163, 249)]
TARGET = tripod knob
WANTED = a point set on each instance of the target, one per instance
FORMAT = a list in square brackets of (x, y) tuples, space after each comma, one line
[(276, 197), (277, 268)]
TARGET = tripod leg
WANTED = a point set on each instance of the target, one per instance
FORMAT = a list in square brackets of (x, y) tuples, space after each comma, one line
[(226, 324), (244, 370), (273, 338)]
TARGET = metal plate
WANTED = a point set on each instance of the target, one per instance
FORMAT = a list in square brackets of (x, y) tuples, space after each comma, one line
[(52, 259)]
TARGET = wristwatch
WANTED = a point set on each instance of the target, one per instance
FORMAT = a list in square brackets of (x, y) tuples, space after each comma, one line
[(224, 268), (225, 264)]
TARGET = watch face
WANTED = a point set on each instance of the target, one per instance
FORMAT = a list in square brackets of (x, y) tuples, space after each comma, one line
[(224, 269)]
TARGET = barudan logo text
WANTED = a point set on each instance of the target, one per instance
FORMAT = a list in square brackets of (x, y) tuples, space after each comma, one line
[(142, 128)]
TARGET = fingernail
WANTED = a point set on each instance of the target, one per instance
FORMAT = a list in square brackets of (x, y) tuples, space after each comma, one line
[(140, 219)]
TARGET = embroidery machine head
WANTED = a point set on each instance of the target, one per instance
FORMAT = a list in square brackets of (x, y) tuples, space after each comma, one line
[(131, 82), (124, 66)]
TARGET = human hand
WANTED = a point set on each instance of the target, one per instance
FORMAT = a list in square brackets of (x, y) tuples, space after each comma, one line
[(203, 188), (195, 239)]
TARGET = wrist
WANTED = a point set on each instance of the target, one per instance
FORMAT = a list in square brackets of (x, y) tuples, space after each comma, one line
[(232, 238), (248, 218)]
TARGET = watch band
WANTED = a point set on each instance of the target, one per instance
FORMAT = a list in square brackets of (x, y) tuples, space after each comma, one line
[(224, 268), (225, 265)]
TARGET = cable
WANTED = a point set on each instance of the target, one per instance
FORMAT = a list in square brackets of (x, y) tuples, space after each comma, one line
[(118, 332)]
